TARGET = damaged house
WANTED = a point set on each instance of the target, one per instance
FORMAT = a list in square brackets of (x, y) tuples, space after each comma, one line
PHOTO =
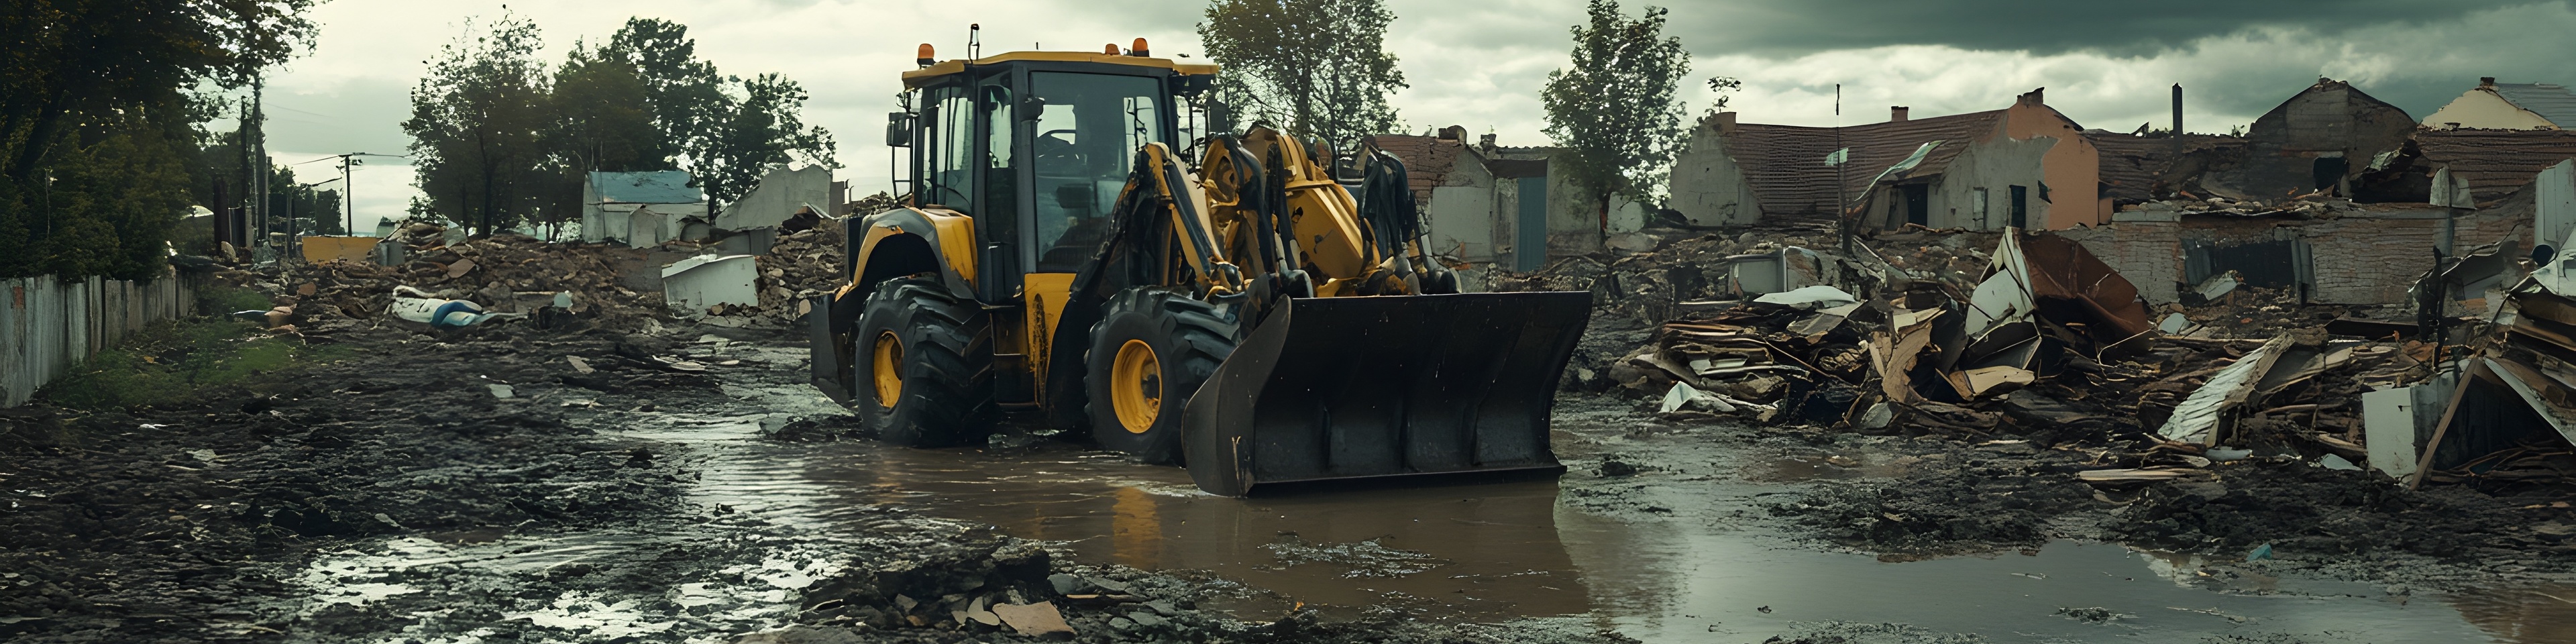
[(2507, 106), (2321, 140), (610, 201), (2026, 166), (1484, 203)]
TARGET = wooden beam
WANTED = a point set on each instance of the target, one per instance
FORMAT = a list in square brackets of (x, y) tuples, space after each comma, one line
[(2442, 428)]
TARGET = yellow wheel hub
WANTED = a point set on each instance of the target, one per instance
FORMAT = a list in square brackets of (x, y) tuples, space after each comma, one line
[(885, 362), (1136, 386)]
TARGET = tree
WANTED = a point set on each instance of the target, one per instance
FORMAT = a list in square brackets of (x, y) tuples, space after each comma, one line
[(684, 95), (726, 131), (101, 103), (478, 124), (1319, 68), (762, 129), (1612, 108)]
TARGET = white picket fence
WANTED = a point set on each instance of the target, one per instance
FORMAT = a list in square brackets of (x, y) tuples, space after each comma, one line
[(48, 326)]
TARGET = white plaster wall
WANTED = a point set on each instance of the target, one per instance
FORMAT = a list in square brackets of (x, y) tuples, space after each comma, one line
[(2554, 210), (1708, 187), (2482, 109), (1995, 165), (1462, 222), (780, 193)]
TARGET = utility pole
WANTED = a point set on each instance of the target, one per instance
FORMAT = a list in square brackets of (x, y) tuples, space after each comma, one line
[(348, 199), (1842, 203), (259, 130)]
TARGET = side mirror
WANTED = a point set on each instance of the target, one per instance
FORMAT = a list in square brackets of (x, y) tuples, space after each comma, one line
[(1031, 107), (898, 129)]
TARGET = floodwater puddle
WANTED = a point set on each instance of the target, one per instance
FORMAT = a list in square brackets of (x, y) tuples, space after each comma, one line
[(1485, 552), (1499, 551)]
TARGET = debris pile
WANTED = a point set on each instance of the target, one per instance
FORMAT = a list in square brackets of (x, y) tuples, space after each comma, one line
[(2042, 341), (804, 264), (502, 273)]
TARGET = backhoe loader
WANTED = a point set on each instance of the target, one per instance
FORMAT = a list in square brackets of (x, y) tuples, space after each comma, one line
[(1074, 243)]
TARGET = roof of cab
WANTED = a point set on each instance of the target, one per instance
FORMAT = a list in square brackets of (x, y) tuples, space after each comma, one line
[(919, 77)]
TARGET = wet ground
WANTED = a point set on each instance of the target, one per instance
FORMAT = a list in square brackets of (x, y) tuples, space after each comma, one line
[(735, 519)]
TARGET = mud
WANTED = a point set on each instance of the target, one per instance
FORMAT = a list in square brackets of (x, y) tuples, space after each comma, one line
[(396, 497), (157, 524), (1952, 499)]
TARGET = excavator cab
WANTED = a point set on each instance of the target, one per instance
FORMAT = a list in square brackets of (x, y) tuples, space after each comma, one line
[(1075, 240)]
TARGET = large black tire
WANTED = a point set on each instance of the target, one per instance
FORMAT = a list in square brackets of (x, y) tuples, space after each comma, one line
[(1186, 340), (942, 350)]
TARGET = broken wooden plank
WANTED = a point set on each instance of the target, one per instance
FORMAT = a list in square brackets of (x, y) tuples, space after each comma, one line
[(2197, 419)]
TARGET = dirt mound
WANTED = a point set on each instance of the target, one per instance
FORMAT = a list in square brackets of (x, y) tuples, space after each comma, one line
[(1964, 501), (2299, 508), (174, 513)]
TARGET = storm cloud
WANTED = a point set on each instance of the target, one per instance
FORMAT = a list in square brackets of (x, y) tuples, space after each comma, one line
[(1480, 63)]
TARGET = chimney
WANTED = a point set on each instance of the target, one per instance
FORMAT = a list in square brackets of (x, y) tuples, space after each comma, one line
[(1724, 122), (2177, 109), (2486, 81), (1453, 133), (1486, 141), (2033, 99), (1896, 113)]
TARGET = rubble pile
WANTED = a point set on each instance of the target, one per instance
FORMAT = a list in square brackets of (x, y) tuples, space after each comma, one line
[(1653, 274), (2042, 341), (804, 264), (506, 273)]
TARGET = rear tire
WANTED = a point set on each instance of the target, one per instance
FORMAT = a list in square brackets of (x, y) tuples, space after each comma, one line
[(938, 351), (1151, 351)]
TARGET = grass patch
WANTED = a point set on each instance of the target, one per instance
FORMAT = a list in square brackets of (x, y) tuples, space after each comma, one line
[(221, 300), (181, 361)]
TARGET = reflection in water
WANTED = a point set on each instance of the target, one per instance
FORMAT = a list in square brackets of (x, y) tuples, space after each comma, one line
[(1497, 551), (1495, 546), (2544, 614)]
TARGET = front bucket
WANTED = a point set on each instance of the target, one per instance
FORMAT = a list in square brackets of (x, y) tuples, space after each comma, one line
[(1362, 387)]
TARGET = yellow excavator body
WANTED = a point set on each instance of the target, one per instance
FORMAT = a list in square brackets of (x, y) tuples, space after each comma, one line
[(1075, 240)]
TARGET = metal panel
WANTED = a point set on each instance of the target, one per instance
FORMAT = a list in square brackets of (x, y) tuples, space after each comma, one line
[(1365, 387), (1529, 247), (2388, 423)]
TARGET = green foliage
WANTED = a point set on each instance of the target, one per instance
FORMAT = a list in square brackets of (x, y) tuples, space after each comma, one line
[(499, 139), (762, 129), (218, 300), (1612, 108), (181, 361), (684, 95), (98, 121), (478, 124), (1319, 68)]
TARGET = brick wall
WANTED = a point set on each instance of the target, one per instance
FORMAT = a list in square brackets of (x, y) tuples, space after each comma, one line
[(2145, 250), (2366, 254)]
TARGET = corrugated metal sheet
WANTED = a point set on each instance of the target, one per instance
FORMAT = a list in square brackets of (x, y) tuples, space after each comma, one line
[(49, 325), (2551, 102)]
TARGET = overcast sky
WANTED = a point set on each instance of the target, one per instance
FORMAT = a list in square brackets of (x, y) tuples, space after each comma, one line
[(1479, 63)]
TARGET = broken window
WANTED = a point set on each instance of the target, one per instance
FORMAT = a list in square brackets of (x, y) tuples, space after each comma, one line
[(2021, 206), (1977, 206), (1918, 203)]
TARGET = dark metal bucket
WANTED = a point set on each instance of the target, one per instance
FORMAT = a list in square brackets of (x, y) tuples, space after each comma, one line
[(1367, 387)]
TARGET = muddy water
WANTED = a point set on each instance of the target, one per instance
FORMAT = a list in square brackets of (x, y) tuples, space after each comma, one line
[(1709, 572), (1506, 550)]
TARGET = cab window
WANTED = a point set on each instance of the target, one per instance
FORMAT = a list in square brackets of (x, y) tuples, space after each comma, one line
[(1087, 132), (950, 149)]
